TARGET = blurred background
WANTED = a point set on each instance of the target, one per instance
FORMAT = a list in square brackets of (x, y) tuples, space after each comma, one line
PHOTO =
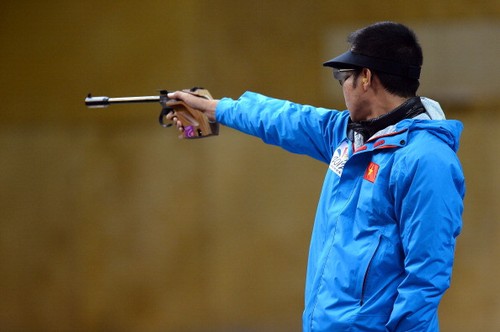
[(108, 222)]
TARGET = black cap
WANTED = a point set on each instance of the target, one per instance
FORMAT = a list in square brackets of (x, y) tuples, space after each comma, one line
[(351, 59)]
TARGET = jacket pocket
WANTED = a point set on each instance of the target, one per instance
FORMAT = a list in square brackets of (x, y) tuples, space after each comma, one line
[(367, 272)]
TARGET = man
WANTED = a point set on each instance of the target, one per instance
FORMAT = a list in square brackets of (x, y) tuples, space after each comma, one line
[(382, 246)]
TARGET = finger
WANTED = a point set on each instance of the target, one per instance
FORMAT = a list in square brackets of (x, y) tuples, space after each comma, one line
[(170, 116), (178, 123), (176, 95)]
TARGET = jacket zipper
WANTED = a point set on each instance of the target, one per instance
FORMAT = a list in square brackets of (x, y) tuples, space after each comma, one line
[(365, 278)]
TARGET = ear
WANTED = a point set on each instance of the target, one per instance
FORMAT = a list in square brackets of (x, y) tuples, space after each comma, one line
[(366, 78)]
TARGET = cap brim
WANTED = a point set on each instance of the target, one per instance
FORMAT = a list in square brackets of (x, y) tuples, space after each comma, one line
[(345, 60)]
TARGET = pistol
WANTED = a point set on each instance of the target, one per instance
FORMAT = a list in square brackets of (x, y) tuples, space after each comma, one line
[(195, 123)]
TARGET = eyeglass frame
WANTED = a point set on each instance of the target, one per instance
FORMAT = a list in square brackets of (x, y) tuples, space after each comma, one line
[(341, 74)]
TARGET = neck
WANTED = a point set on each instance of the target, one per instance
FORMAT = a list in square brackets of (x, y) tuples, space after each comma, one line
[(385, 103)]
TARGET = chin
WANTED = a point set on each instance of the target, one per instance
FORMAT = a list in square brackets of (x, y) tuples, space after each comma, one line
[(354, 117)]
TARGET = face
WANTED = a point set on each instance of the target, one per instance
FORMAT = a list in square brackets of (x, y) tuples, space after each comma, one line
[(355, 96)]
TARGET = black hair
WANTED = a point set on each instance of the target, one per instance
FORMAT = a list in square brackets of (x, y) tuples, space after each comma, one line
[(394, 42)]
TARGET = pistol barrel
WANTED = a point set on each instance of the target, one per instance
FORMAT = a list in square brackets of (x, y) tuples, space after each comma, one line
[(100, 102)]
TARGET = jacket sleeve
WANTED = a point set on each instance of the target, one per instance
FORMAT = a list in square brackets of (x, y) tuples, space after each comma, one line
[(429, 190), (297, 128)]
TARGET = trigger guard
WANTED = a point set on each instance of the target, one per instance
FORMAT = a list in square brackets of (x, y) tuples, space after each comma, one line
[(162, 116)]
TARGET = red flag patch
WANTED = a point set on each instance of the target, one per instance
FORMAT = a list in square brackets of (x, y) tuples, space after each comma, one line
[(371, 172)]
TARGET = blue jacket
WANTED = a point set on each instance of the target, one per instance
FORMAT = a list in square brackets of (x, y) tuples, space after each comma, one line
[(383, 240)]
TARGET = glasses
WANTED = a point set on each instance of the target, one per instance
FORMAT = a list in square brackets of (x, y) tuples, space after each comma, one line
[(342, 75)]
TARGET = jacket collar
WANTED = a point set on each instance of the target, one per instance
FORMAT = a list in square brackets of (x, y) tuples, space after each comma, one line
[(366, 129)]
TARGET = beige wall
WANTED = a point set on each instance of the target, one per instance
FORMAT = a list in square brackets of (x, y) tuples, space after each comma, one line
[(109, 223)]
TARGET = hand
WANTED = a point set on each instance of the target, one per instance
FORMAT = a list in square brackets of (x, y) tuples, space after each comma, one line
[(203, 105)]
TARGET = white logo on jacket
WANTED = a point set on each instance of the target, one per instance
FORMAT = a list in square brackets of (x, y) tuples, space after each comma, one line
[(340, 157)]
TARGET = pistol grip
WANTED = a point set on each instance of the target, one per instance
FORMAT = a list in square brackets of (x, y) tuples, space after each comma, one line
[(195, 123)]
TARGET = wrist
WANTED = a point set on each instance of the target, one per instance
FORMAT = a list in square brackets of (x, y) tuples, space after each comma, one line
[(211, 109)]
